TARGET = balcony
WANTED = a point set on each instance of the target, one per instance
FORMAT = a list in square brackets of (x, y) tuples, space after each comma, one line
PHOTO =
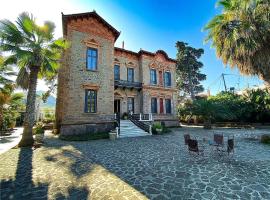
[(127, 84)]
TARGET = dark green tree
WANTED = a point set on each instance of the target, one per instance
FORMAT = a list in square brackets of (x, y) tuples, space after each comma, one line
[(188, 68)]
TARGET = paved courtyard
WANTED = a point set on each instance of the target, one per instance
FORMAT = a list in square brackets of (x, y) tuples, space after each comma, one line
[(152, 167)]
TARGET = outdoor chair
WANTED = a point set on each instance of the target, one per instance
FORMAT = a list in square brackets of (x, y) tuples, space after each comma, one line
[(186, 137), (194, 147), (230, 146), (218, 140)]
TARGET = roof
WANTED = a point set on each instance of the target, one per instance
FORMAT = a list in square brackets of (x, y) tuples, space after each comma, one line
[(141, 52), (93, 14)]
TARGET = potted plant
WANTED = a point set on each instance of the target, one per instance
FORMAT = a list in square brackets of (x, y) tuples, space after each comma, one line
[(158, 127), (39, 132), (125, 116)]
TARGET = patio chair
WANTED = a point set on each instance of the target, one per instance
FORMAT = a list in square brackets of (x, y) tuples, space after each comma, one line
[(230, 146), (186, 137), (218, 140), (193, 147)]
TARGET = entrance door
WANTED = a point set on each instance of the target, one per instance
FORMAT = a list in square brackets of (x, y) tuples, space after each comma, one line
[(117, 106), (161, 111)]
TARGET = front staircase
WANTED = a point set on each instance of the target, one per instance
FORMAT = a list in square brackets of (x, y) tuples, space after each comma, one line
[(128, 129)]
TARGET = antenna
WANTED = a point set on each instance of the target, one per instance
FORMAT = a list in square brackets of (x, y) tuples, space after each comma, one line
[(224, 81)]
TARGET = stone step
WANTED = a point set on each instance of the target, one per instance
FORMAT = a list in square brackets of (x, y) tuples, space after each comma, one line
[(128, 129)]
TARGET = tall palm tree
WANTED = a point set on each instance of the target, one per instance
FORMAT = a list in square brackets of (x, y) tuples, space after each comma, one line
[(5, 72), (241, 36), (33, 49)]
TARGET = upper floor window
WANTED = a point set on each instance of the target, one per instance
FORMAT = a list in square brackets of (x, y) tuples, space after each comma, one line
[(168, 106), (90, 101), (130, 74), (116, 72), (153, 77), (92, 57), (153, 105), (167, 79)]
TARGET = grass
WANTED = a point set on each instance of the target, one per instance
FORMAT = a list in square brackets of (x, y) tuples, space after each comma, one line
[(85, 137)]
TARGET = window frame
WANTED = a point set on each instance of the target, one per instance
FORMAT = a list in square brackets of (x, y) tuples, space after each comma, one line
[(155, 75), (133, 104), (86, 110), (91, 49), (130, 69), (169, 82), (154, 110), (170, 106), (116, 65)]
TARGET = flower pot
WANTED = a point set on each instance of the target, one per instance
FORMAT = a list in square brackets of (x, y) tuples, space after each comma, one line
[(113, 135), (159, 130), (39, 138)]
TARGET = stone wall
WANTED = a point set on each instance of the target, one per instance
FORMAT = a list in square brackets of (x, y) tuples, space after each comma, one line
[(74, 78)]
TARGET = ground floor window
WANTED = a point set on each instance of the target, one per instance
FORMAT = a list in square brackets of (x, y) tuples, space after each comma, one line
[(90, 101), (130, 104), (168, 106), (154, 105), (161, 106)]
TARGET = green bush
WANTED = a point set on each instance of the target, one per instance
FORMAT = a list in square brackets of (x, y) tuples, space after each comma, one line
[(265, 139), (253, 106), (39, 128), (85, 137)]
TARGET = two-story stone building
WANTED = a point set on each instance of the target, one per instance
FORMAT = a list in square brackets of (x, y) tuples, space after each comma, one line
[(97, 80)]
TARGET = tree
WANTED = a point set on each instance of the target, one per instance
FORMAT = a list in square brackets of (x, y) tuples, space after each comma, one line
[(188, 69), (33, 49), (241, 36), (5, 71)]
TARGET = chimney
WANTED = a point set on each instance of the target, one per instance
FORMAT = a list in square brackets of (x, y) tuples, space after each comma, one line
[(123, 45)]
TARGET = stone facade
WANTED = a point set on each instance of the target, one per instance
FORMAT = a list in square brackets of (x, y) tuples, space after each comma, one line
[(89, 30)]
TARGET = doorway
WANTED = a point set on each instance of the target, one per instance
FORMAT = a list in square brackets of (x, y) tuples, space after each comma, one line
[(117, 106)]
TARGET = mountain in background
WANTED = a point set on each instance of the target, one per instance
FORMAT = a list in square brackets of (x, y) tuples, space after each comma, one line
[(50, 103)]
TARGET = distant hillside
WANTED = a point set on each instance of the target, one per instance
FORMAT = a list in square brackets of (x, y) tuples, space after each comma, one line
[(50, 103)]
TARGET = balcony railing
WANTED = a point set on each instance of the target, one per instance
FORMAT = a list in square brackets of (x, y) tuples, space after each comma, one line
[(127, 84)]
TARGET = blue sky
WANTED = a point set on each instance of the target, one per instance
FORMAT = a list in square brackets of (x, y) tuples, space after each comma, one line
[(150, 25), (153, 25)]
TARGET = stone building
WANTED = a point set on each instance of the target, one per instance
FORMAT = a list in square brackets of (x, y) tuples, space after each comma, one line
[(97, 80)]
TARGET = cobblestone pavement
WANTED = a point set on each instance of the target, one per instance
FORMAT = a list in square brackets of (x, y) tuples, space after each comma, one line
[(154, 167)]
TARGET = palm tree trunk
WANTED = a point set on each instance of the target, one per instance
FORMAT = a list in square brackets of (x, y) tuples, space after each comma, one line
[(1, 118), (29, 120)]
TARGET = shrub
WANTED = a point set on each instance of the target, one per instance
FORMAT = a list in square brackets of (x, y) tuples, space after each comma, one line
[(265, 139), (38, 128)]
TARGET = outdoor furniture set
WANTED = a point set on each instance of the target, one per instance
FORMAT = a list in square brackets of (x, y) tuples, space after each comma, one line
[(217, 144)]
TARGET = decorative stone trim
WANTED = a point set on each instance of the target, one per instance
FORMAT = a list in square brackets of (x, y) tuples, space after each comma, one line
[(90, 86)]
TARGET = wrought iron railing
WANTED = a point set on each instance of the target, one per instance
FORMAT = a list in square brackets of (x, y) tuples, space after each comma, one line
[(134, 118), (127, 84)]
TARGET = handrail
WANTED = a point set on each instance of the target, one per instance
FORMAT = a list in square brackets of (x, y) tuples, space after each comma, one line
[(134, 118)]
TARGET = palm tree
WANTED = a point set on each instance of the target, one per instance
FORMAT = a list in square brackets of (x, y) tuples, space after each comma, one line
[(5, 71), (209, 111), (35, 52), (241, 36)]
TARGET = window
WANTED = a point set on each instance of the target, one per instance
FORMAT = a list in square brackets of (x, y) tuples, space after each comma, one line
[(90, 101), (153, 77), (154, 105), (116, 72), (91, 62), (130, 104), (168, 106), (161, 110), (130, 74), (167, 79), (160, 78)]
